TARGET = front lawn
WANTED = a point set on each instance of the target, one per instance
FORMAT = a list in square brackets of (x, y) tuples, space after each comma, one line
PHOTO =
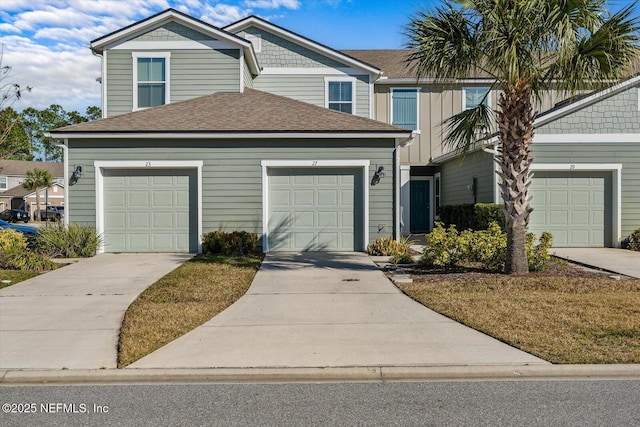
[(182, 300), (564, 315), (15, 276)]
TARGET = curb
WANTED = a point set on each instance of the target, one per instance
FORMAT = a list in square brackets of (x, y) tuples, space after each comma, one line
[(327, 374)]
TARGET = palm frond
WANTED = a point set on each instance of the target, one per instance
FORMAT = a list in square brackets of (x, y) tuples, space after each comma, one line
[(467, 127)]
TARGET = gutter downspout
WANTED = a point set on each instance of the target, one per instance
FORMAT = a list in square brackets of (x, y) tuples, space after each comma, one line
[(65, 157), (496, 188), (396, 173)]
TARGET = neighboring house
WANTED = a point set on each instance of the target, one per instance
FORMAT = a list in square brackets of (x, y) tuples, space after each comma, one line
[(243, 136), (14, 196), (218, 154)]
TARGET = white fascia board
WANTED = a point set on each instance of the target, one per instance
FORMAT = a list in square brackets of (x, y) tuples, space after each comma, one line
[(302, 41), (249, 135), (585, 138), (346, 71), (429, 81), (175, 45)]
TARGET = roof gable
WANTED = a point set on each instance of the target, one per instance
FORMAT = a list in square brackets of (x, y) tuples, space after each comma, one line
[(168, 16), (336, 55)]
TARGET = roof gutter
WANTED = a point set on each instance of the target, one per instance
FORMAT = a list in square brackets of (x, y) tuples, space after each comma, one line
[(402, 137)]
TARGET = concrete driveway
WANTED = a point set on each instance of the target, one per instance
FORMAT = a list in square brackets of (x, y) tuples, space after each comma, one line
[(329, 310), (71, 317), (621, 261)]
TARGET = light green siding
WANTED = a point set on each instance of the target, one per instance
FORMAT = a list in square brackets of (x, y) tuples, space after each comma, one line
[(616, 114), (457, 178), (278, 52), (193, 73), (627, 154), (232, 175), (172, 31), (247, 78), (311, 89)]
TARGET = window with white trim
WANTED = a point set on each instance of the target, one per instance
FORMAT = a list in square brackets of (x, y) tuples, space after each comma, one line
[(472, 96), (3, 183), (437, 193), (339, 95), (256, 41), (404, 108), (150, 79)]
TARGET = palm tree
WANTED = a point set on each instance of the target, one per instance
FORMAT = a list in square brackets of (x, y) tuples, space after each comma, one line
[(525, 47), (37, 179)]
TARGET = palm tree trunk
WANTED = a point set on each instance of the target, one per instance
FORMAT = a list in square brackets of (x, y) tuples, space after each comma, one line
[(515, 122)]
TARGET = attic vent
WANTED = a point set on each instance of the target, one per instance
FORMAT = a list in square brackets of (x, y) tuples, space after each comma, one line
[(256, 41)]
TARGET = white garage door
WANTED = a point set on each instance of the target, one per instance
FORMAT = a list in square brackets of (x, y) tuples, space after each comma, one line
[(573, 206), (315, 209), (149, 211)]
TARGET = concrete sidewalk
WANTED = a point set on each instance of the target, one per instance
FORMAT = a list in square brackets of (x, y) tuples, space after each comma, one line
[(619, 261), (71, 317), (329, 310)]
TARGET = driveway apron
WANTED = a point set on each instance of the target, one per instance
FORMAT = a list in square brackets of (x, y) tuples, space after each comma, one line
[(329, 310), (71, 317)]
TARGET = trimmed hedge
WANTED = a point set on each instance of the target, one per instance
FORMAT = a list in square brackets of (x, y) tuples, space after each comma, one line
[(632, 241), (236, 243), (472, 216)]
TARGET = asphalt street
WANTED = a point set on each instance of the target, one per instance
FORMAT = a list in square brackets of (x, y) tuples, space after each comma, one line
[(461, 403)]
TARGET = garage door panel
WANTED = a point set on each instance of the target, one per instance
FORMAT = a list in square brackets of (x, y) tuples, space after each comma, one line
[(149, 210), (314, 209), (573, 206)]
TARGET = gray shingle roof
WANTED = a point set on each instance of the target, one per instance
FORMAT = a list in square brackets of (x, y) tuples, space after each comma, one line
[(232, 112), (20, 167)]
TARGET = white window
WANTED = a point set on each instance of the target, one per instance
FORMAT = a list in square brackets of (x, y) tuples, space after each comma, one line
[(405, 108), (472, 96), (256, 41), (339, 94), (3, 183), (150, 79), (437, 193)]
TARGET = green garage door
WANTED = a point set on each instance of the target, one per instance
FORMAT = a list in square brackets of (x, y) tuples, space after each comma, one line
[(575, 207), (315, 209), (149, 210)]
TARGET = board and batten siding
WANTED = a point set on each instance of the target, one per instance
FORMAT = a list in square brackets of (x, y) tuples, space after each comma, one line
[(627, 154), (310, 88), (193, 73), (457, 177), (232, 175)]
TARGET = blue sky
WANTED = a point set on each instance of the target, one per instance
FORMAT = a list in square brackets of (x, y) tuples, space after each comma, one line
[(45, 41)]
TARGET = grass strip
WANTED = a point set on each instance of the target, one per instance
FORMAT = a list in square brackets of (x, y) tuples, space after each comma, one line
[(182, 300), (15, 276), (559, 319)]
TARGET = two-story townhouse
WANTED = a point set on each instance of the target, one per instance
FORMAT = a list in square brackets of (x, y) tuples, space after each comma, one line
[(14, 196), (197, 136)]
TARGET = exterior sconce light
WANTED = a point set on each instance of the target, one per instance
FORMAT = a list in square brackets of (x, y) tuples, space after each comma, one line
[(377, 175), (75, 175)]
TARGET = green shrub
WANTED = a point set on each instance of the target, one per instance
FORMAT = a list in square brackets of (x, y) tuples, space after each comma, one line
[(72, 241), (472, 216), (11, 240), (538, 255), (445, 246), (404, 258), (387, 246), (236, 243), (26, 261), (632, 242)]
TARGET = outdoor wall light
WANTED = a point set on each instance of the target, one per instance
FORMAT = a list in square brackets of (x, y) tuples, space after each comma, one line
[(377, 175), (75, 175)]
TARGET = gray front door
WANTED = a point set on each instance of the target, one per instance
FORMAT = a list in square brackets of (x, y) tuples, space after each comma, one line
[(315, 209), (149, 210)]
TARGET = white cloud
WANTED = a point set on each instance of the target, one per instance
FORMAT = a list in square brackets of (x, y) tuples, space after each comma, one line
[(273, 4), (223, 14)]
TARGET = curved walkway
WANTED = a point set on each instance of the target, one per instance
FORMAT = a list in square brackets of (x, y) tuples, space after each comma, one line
[(71, 317), (329, 310)]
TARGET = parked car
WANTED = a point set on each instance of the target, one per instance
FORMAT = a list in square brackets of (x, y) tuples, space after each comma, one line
[(52, 213), (14, 215), (24, 229)]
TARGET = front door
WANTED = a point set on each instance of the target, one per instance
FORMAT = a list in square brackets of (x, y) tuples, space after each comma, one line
[(420, 215)]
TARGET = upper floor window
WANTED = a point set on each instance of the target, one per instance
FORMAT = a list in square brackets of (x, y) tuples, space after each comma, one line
[(256, 41), (473, 96), (3, 183), (405, 107), (151, 79), (339, 94)]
